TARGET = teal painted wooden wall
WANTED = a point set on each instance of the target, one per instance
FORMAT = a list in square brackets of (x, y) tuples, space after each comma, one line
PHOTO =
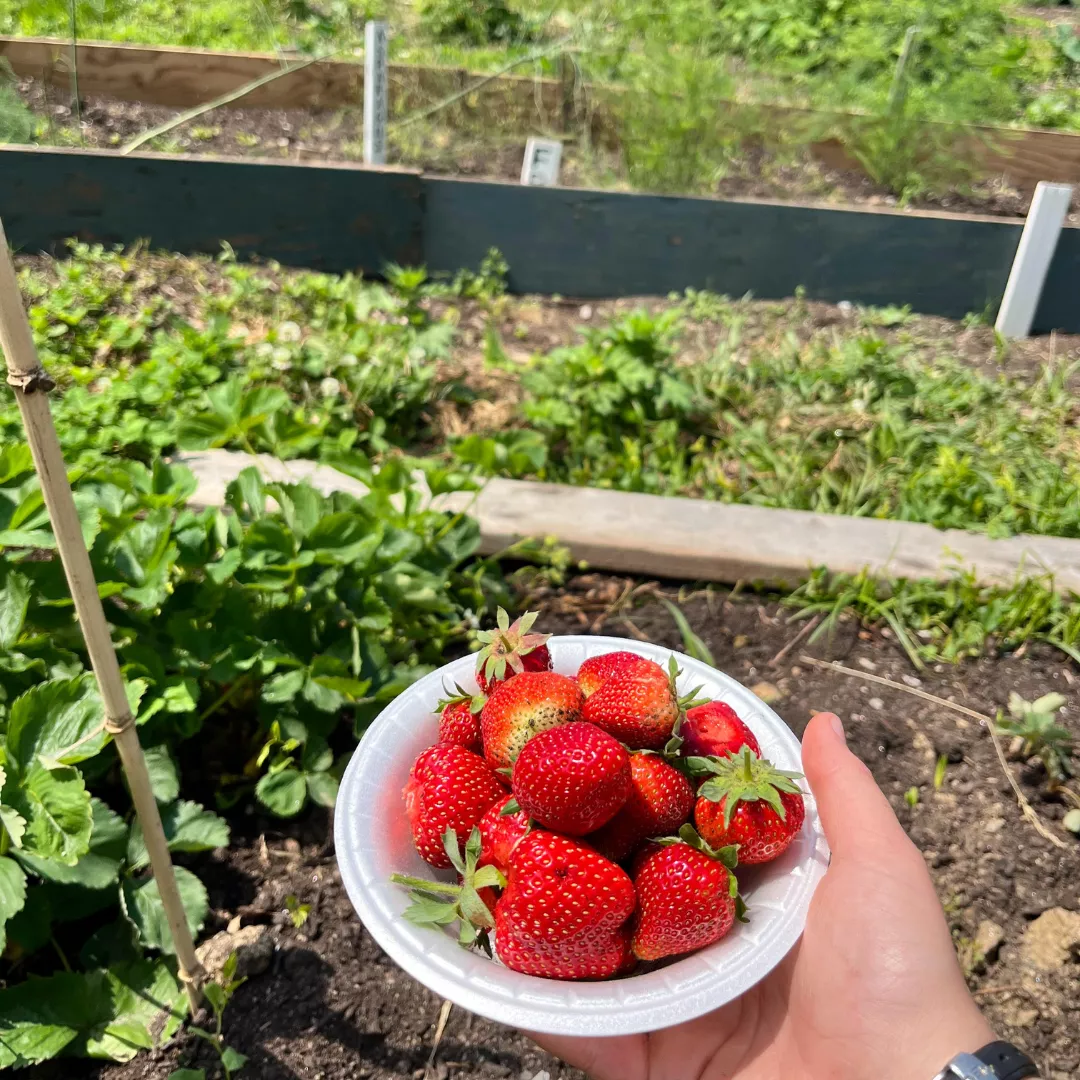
[(556, 240)]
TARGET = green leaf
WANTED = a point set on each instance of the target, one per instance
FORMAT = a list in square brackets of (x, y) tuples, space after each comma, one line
[(147, 1006), (56, 807), (101, 1014), (1071, 821), (187, 1074), (693, 644), (14, 599), (12, 893), (100, 866), (188, 827), (164, 777), (285, 687), (58, 722), (141, 902), (232, 1059), (322, 787), (282, 792)]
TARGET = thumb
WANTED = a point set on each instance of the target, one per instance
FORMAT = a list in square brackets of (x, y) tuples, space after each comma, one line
[(857, 818)]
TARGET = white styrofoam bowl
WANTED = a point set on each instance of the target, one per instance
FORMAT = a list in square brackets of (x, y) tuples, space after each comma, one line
[(373, 841)]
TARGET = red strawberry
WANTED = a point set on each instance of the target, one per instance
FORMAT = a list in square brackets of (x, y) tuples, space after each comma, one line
[(637, 704), (500, 833), (687, 897), (750, 803), (564, 912), (714, 730), (509, 650), (460, 719), (572, 778), (523, 706), (661, 800), (588, 956), (449, 788), (598, 669)]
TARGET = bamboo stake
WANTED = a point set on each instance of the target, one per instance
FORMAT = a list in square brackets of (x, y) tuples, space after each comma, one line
[(31, 384)]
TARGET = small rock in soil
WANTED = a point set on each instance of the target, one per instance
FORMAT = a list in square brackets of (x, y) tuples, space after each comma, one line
[(988, 939), (1053, 939), (253, 945)]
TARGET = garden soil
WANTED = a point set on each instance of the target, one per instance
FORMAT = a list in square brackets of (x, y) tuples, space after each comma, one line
[(331, 1006)]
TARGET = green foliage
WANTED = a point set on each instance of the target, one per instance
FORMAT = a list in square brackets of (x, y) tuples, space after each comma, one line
[(1035, 723), (672, 136), (475, 22), (16, 119), (218, 994)]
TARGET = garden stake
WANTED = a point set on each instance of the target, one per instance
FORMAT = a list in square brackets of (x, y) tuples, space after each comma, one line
[(31, 384)]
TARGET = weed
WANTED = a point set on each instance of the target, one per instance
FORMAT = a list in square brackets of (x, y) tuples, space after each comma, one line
[(218, 995), (1035, 724), (911, 797), (298, 913), (940, 769)]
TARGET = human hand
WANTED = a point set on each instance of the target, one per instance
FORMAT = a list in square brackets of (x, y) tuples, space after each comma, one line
[(873, 990)]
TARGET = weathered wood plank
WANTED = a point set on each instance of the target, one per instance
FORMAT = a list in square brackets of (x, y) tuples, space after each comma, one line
[(691, 538), (182, 77), (597, 244), (326, 217)]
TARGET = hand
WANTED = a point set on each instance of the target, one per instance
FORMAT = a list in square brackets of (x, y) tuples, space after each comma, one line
[(873, 990)]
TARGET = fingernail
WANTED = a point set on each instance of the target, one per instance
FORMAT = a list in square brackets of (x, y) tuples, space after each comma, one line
[(838, 726)]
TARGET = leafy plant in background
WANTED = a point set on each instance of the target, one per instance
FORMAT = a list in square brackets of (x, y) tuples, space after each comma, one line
[(476, 22), (218, 994), (16, 119)]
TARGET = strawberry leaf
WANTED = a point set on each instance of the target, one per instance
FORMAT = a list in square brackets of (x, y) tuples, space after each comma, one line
[(512, 807), (746, 778), (453, 850), (425, 911)]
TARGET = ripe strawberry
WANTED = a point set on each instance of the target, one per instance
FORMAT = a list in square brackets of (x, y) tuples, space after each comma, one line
[(750, 803), (500, 833), (509, 650), (449, 788), (661, 800), (459, 721), (564, 912), (523, 706), (713, 730), (638, 704), (471, 902), (595, 671), (572, 778), (587, 956), (687, 896)]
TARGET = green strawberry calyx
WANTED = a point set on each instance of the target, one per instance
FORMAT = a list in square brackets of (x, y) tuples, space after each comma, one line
[(684, 701), (727, 856), (457, 696), (744, 777), (439, 903), (504, 646)]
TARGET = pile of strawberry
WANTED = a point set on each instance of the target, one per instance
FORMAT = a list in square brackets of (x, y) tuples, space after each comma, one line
[(628, 809)]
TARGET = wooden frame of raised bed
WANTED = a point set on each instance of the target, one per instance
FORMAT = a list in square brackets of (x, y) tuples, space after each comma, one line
[(181, 77), (570, 241)]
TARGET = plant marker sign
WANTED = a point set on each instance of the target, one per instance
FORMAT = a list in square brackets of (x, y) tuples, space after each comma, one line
[(541, 165), (375, 93)]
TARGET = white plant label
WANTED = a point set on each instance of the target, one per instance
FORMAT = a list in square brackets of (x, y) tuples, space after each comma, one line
[(375, 93), (541, 165)]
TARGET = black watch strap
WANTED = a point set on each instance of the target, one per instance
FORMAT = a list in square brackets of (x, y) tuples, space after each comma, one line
[(1007, 1061)]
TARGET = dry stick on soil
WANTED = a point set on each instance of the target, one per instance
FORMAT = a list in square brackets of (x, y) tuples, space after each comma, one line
[(440, 1027), (1025, 807), (225, 99), (31, 384), (807, 628)]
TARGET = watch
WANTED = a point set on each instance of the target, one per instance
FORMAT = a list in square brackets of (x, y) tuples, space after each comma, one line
[(996, 1061)]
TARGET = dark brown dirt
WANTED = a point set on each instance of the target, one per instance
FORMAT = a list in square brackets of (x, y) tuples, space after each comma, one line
[(333, 1007), (468, 143)]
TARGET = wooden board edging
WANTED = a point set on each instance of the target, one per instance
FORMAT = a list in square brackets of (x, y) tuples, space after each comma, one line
[(666, 536), (182, 77), (575, 242)]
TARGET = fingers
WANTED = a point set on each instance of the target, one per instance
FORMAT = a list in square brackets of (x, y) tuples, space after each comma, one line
[(858, 820), (619, 1058)]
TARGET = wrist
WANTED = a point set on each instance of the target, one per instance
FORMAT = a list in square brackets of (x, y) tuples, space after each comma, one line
[(963, 1034)]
